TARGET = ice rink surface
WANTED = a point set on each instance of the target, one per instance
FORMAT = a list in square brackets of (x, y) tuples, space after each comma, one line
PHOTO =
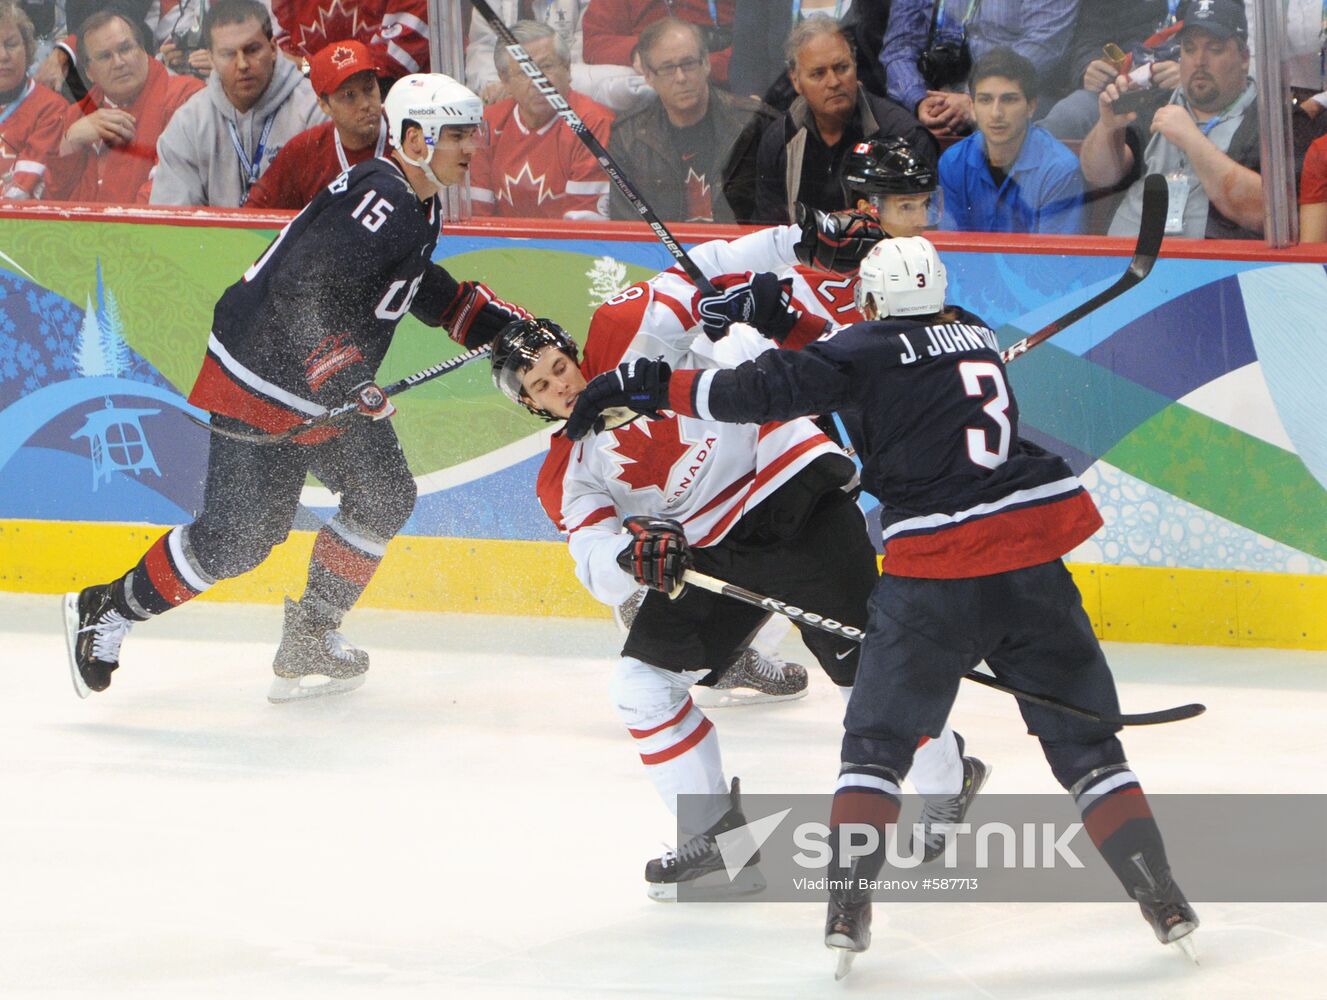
[(473, 822)]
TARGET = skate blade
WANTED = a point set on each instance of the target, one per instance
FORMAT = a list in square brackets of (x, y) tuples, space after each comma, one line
[(846, 955), (71, 637), (716, 698), (713, 887), (1189, 946), (286, 689)]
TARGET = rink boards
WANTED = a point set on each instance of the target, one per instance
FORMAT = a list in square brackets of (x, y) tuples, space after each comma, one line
[(1189, 407)]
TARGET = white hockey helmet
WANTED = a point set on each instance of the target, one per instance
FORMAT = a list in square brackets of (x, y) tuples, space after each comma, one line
[(902, 277), (432, 101)]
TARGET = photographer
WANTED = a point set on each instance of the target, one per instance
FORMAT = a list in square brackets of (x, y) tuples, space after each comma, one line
[(1205, 141), (180, 36), (109, 148)]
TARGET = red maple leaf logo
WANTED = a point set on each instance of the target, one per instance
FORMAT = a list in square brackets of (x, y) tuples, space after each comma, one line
[(700, 207), (649, 449)]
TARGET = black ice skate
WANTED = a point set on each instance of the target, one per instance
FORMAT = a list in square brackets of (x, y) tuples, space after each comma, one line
[(94, 630), (1166, 910), (950, 809), (848, 922), (754, 679), (314, 660), (699, 862)]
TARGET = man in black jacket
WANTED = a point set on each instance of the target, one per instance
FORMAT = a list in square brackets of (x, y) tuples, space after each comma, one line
[(801, 154), (692, 154)]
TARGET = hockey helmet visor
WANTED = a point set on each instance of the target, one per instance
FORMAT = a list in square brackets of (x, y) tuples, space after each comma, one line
[(517, 348)]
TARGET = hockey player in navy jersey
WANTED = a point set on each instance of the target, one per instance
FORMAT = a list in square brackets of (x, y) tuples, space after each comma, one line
[(975, 520), (766, 506), (303, 331)]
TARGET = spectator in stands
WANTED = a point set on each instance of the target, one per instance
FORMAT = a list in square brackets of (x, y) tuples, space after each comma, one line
[(219, 143), (618, 88), (1009, 176), (612, 29), (692, 154), (1038, 30), (60, 69), (533, 166), (109, 146), (344, 76), (395, 31), (30, 114), (1127, 25), (1313, 194), (801, 153), (1205, 141), (758, 66)]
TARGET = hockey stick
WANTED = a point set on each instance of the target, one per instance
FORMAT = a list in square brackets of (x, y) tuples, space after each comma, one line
[(1152, 226), (339, 413), (573, 120), (833, 627)]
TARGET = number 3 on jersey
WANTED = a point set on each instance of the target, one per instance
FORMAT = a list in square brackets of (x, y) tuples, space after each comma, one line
[(973, 373)]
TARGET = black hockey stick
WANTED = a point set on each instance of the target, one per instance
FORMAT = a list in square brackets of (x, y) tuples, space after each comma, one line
[(339, 413), (833, 627), (1151, 227), (573, 120)]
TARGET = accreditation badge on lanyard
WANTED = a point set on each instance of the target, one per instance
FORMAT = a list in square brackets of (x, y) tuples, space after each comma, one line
[(249, 169), (1178, 185)]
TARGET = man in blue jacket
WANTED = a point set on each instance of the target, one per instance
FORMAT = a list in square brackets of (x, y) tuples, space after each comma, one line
[(1009, 176)]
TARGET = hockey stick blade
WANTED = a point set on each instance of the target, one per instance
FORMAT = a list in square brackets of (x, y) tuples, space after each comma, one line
[(1152, 227), (343, 412), (582, 132), (804, 617)]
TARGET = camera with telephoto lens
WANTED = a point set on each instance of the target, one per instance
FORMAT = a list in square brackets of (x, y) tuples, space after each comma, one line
[(945, 64)]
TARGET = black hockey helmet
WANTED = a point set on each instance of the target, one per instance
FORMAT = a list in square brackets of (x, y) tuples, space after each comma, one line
[(515, 350), (885, 166)]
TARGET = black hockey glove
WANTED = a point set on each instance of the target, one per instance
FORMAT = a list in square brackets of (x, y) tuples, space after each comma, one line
[(476, 316), (836, 241), (640, 386), (371, 401), (760, 300), (658, 555)]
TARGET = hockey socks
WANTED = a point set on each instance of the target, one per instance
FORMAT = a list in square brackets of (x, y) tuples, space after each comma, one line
[(344, 560), (937, 766), (166, 577), (1119, 821), (866, 799)]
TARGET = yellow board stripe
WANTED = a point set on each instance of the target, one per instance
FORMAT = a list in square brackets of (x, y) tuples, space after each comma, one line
[(485, 576)]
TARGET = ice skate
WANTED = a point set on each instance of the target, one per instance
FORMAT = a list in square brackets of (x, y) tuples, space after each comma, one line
[(1169, 914), (313, 660), (699, 862), (753, 680), (848, 923), (950, 809), (625, 613), (94, 630)]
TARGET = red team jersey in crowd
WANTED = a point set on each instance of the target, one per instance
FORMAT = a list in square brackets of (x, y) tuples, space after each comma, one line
[(395, 31), (702, 474), (29, 137), (612, 27), (306, 165), (1313, 178), (121, 174), (544, 174)]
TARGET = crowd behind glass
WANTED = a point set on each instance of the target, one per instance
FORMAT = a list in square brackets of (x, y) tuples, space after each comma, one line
[(1034, 115)]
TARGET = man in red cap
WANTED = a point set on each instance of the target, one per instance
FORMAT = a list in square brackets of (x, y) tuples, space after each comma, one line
[(345, 80)]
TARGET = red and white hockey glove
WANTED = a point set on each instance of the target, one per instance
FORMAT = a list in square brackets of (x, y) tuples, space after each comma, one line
[(371, 401), (476, 316), (658, 555), (760, 300)]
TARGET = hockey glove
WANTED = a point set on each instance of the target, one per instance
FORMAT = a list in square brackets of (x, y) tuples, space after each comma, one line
[(476, 316), (658, 555), (836, 241), (640, 386), (760, 300), (371, 401)]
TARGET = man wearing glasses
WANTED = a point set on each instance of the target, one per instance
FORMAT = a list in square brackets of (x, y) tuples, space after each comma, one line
[(693, 153)]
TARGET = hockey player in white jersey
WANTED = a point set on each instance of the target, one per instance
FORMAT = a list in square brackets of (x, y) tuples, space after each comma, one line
[(764, 506)]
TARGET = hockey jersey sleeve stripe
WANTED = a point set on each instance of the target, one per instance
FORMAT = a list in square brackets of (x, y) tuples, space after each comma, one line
[(682, 313), (808, 328), (927, 522), (406, 20), (402, 57), (587, 187), (482, 194), (29, 167), (682, 393), (595, 517)]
